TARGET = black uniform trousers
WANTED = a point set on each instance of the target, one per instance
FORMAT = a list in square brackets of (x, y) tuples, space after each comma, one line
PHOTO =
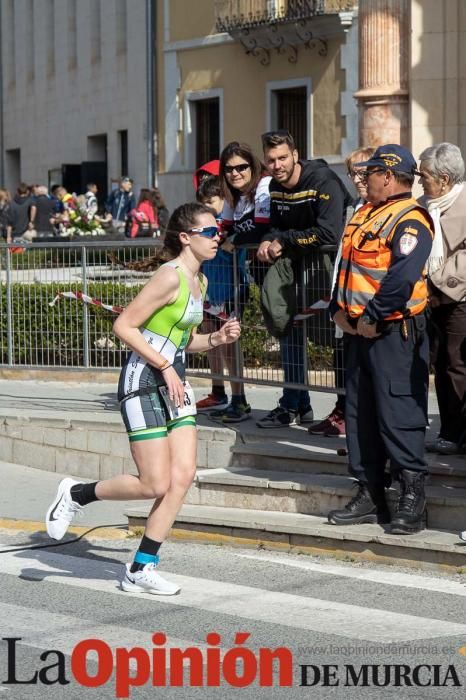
[(448, 356), (386, 402)]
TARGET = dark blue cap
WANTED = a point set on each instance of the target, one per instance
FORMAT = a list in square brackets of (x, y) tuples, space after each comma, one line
[(392, 157)]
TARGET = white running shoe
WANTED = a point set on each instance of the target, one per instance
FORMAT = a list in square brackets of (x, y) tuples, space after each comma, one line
[(147, 580), (463, 535), (62, 511)]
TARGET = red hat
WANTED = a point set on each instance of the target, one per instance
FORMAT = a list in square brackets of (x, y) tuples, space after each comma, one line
[(210, 168)]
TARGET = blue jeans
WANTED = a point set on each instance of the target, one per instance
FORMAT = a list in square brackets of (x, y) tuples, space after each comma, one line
[(292, 354)]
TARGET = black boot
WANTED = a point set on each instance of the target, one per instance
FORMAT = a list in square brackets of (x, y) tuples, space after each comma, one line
[(361, 509), (409, 515)]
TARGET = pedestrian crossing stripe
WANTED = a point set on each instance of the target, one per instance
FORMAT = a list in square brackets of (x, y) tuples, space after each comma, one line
[(239, 601)]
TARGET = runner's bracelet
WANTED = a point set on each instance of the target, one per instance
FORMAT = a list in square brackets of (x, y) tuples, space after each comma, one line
[(209, 340), (165, 365)]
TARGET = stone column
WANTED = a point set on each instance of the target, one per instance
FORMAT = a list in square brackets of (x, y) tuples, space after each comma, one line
[(384, 59)]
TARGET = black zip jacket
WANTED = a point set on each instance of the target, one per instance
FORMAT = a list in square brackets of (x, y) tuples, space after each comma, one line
[(312, 213)]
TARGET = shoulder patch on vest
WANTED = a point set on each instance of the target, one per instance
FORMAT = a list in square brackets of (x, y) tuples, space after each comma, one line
[(408, 242), (410, 229)]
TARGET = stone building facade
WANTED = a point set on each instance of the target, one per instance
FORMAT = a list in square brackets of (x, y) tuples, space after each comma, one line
[(338, 73), (74, 91)]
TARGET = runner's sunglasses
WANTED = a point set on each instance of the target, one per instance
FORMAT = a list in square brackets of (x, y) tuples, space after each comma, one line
[(207, 231)]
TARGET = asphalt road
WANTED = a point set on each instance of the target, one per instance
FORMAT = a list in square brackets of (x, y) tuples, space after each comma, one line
[(344, 616)]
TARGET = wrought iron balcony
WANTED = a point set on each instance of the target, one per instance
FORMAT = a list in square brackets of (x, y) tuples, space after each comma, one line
[(283, 25), (246, 14)]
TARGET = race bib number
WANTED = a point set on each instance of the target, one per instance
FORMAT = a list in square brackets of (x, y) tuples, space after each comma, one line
[(187, 409)]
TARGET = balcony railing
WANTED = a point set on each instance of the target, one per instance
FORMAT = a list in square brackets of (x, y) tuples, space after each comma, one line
[(283, 26), (244, 14)]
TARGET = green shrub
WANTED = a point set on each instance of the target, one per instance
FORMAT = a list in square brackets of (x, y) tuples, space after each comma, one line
[(54, 336)]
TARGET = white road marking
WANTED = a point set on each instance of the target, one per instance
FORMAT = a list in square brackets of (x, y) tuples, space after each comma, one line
[(390, 578), (245, 602), (44, 629)]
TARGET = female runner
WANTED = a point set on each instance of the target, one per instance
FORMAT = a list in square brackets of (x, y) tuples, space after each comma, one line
[(157, 404)]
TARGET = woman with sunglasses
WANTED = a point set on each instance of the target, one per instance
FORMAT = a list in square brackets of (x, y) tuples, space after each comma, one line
[(246, 216), (157, 404), (334, 424)]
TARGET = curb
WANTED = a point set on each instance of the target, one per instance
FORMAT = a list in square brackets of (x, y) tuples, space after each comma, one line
[(347, 550), (104, 532)]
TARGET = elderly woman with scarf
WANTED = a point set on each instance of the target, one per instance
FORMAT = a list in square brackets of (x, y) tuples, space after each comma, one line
[(442, 173)]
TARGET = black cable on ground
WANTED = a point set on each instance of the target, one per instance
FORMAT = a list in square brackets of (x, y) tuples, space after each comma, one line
[(22, 548)]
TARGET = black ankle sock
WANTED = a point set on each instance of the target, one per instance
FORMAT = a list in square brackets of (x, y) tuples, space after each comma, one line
[(238, 398), (147, 553), (218, 391), (84, 493)]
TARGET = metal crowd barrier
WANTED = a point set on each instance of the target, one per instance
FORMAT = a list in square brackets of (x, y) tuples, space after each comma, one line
[(44, 322)]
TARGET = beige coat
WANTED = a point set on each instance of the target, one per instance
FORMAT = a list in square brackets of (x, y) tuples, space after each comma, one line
[(450, 279)]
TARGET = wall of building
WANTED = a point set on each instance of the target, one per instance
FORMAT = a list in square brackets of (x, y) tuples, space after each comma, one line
[(216, 65), (191, 20), (438, 73), (73, 69)]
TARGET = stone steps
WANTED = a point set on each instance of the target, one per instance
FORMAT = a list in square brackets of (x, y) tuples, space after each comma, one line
[(318, 459), (311, 534), (309, 494)]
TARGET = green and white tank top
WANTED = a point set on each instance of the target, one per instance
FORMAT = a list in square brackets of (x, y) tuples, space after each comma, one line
[(168, 331)]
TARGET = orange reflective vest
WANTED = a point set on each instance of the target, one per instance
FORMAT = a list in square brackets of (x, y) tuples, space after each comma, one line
[(366, 257)]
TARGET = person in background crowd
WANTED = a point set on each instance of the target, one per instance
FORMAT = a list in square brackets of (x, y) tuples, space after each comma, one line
[(4, 214), (59, 206), (442, 178), (206, 170), (245, 217), (92, 204), (120, 202), (161, 208), (157, 405), (219, 272), (307, 210), (18, 219), (66, 198), (334, 424), (43, 213), (143, 220), (379, 303)]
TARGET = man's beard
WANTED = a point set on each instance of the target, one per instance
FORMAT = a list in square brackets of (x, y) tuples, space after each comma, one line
[(290, 175)]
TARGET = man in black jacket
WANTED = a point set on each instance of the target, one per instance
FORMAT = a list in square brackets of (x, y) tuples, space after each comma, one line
[(307, 210), (18, 216)]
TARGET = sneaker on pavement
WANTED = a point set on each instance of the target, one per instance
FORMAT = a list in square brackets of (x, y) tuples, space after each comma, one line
[(306, 416), (337, 427), (463, 535), (62, 511), (280, 417), (324, 425), (147, 580), (442, 447), (236, 412), (320, 428), (210, 402)]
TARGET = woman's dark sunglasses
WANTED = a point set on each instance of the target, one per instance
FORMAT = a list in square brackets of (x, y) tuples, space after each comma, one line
[(239, 168), (207, 231)]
